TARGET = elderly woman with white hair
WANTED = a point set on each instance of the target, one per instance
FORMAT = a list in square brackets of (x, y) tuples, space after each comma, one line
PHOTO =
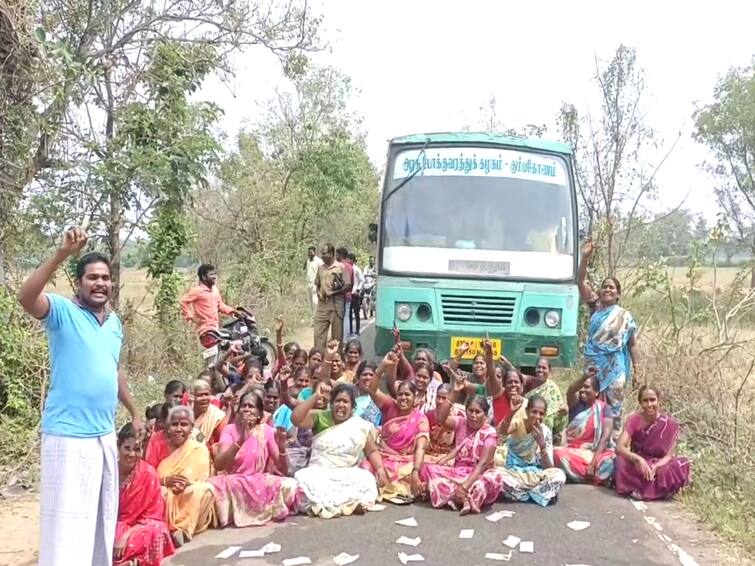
[(189, 499)]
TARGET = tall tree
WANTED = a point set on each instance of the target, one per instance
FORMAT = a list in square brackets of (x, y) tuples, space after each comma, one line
[(613, 179), (96, 59), (727, 126)]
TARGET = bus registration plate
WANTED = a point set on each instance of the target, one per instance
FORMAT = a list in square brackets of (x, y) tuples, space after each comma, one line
[(475, 346)]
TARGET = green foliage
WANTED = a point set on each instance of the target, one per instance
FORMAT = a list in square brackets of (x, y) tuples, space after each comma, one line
[(23, 377), (727, 126), (302, 178)]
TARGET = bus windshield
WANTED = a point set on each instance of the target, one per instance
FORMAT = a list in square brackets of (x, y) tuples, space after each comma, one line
[(483, 212)]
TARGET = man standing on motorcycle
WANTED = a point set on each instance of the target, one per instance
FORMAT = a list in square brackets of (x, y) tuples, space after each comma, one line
[(202, 303)]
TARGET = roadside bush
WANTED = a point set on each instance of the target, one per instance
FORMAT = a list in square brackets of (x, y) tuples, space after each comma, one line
[(23, 380)]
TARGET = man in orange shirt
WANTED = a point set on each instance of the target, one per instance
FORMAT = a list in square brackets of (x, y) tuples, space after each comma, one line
[(202, 304)]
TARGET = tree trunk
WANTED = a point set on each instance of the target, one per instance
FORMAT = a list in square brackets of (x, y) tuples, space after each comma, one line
[(114, 225), (752, 262)]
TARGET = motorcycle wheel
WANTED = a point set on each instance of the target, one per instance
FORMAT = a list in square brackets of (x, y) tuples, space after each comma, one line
[(271, 351)]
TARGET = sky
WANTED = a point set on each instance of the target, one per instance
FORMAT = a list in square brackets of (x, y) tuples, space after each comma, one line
[(421, 66)]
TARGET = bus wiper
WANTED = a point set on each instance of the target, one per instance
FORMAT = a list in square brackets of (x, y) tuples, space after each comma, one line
[(411, 176)]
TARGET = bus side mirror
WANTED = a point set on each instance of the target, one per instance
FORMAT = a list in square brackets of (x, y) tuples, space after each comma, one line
[(372, 233)]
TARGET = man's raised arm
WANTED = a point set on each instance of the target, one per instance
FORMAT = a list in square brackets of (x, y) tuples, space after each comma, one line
[(31, 296)]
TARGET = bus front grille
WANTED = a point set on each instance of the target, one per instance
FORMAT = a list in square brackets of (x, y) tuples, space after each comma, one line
[(477, 310)]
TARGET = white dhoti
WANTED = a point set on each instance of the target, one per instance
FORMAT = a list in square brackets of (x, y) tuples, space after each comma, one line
[(312, 290), (78, 500)]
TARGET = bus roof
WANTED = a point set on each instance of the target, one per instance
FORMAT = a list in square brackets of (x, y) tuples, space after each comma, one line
[(483, 137)]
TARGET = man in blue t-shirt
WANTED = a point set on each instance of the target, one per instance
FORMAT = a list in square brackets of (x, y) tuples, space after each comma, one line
[(79, 485)]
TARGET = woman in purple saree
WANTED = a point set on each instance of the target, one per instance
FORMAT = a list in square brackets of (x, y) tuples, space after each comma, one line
[(646, 467)]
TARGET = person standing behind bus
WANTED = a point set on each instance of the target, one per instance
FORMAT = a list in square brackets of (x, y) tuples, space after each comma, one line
[(332, 282), (356, 296), (342, 256), (313, 263)]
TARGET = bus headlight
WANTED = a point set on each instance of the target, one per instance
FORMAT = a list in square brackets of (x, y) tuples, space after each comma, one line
[(403, 312), (552, 319)]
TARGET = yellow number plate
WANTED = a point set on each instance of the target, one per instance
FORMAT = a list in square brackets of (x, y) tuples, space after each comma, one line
[(475, 346)]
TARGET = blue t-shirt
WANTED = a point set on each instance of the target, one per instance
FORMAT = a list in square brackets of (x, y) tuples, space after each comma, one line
[(84, 356)]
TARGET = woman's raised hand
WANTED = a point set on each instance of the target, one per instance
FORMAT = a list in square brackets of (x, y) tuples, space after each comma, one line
[(332, 347), (588, 248)]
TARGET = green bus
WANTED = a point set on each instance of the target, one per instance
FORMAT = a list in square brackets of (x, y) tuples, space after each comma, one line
[(478, 236)]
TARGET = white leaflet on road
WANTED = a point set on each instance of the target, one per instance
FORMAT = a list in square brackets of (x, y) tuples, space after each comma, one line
[(406, 558), (639, 505), (271, 548), (498, 515), (228, 552), (498, 556), (466, 533), (512, 541), (298, 561), (578, 525), (343, 559), (526, 546), (376, 507), (251, 554), (408, 541), (410, 522)]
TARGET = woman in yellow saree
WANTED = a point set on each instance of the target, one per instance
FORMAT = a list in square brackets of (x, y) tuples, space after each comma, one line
[(189, 499)]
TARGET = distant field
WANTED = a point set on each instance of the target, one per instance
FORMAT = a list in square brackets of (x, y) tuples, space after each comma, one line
[(135, 287), (723, 276)]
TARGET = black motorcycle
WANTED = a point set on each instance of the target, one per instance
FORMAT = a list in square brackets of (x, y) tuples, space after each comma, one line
[(240, 330)]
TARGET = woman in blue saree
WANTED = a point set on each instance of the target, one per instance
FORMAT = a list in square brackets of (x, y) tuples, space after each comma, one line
[(611, 339)]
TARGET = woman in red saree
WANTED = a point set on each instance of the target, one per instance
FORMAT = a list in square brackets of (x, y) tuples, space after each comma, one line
[(586, 457), (646, 467), (403, 438), (141, 534), (472, 482)]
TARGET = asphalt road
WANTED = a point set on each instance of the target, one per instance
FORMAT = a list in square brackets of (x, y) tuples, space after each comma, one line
[(619, 533)]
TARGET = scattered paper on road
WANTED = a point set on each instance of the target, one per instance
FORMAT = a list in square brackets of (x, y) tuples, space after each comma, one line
[(251, 554), (406, 558), (466, 533), (578, 525), (298, 561), (271, 548), (408, 541), (410, 522), (639, 505), (498, 556), (228, 552), (376, 507), (498, 515), (512, 541), (343, 559), (526, 546)]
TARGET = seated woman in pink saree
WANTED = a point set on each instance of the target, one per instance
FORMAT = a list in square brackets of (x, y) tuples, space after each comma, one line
[(586, 457), (472, 482), (141, 534), (252, 488), (403, 438), (646, 467)]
